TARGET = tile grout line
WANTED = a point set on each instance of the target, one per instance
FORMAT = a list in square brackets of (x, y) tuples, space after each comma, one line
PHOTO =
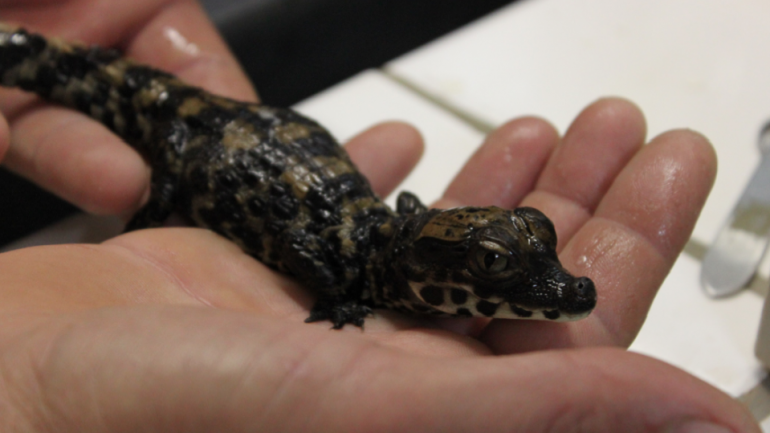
[(469, 119)]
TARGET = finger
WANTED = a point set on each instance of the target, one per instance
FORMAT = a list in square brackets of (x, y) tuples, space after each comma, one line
[(106, 22), (195, 367), (386, 154), (628, 247), (506, 166), (175, 36), (180, 39), (598, 144), (644, 222), (81, 161)]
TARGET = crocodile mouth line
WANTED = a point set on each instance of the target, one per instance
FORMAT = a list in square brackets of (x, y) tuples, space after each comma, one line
[(507, 310), (460, 301)]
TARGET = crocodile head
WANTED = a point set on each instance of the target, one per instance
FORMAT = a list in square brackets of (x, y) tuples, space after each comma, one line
[(488, 262)]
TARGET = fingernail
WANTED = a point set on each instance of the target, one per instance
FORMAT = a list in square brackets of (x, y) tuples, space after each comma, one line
[(699, 427)]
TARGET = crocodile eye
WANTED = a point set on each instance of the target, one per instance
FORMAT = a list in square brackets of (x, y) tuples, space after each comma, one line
[(491, 262)]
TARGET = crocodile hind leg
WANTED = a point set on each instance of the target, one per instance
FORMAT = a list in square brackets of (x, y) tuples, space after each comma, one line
[(339, 313), (310, 259)]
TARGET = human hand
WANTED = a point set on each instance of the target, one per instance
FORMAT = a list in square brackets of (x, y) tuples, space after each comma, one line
[(174, 329)]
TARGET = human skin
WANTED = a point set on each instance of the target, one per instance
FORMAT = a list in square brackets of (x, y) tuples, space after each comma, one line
[(175, 329)]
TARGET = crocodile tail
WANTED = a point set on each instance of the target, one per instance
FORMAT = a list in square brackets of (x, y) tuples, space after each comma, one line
[(96, 81)]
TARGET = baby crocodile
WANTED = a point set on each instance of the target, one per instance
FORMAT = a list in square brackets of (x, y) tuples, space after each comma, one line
[(278, 185)]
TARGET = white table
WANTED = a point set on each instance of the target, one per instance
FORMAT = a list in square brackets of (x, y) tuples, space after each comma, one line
[(701, 64)]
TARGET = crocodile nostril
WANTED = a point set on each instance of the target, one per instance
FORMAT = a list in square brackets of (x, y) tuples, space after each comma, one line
[(583, 286), (581, 297)]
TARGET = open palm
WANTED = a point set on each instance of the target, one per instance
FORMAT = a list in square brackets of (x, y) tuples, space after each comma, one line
[(175, 329)]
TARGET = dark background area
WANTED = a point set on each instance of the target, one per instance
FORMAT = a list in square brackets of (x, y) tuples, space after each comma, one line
[(291, 49)]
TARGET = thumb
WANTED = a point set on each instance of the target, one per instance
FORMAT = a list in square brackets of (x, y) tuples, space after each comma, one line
[(196, 369)]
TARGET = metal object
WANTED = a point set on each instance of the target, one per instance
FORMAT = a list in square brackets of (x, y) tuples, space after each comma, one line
[(732, 260), (762, 349)]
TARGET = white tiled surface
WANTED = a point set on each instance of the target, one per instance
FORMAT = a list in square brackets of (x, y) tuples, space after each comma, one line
[(699, 64)]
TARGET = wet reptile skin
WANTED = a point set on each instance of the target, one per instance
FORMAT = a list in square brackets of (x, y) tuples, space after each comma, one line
[(278, 185)]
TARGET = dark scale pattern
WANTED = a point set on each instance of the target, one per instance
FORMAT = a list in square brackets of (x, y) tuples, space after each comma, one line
[(279, 185), (521, 312), (486, 308), (433, 295), (459, 297)]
